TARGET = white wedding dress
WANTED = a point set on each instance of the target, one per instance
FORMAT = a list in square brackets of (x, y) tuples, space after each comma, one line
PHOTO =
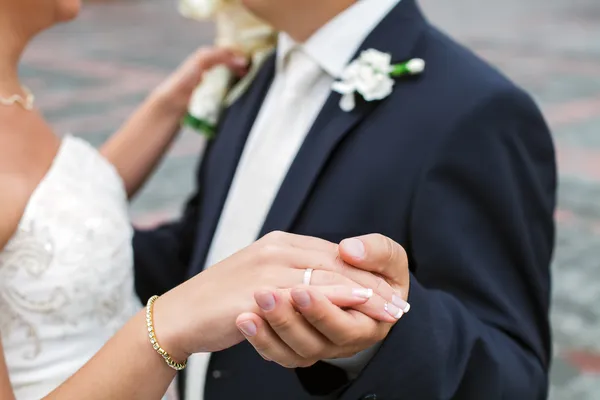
[(66, 276)]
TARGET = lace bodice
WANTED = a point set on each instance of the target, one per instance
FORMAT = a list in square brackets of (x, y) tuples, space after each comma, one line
[(66, 276)]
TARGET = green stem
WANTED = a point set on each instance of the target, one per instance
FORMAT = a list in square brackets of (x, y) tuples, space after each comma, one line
[(399, 70), (199, 125)]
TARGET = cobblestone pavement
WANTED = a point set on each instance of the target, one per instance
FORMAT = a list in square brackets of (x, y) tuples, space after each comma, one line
[(90, 74)]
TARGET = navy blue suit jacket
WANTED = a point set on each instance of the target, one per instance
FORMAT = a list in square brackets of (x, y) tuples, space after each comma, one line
[(457, 165)]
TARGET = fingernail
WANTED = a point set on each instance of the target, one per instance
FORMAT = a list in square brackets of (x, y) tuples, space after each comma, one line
[(240, 61), (354, 247), (248, 328), (301, 297), (393, 310), (362, 293), (400, 303), (265, 300)]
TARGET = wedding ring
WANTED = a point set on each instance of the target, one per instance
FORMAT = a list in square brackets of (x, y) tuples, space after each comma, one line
[(307, 275)]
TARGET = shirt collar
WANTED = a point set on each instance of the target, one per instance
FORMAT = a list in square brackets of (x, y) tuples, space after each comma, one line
[(334, 44)]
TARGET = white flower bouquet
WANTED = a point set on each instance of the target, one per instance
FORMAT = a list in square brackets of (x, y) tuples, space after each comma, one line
[(238, 29)]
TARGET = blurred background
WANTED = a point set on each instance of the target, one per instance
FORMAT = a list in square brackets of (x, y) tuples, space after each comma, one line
[(90, 74)]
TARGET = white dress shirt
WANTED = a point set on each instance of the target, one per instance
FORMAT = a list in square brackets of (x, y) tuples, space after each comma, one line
[(303, 78)]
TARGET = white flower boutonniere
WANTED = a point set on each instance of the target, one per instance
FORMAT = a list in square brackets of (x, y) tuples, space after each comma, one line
[(371, 75), (236, 28)]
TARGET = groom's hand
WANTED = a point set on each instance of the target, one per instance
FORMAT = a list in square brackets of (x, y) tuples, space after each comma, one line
[(302, 327)]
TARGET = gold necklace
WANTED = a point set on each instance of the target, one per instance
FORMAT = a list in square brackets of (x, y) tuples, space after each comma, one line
[(26, 103)]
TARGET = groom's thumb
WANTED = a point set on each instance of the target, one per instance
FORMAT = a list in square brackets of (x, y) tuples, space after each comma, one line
[(379, 254)]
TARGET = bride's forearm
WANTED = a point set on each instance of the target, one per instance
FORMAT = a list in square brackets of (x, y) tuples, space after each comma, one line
[(127, 368), (138, 146)]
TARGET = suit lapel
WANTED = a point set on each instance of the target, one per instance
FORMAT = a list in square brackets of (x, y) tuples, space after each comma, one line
[(397, 35), (221, 160)]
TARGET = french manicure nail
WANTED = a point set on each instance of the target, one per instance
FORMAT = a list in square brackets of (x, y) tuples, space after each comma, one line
[(301, 297), (354, 247), (362, 293), (240, 61), (265, 300), (393, 310), (248, 328), (400, 303)]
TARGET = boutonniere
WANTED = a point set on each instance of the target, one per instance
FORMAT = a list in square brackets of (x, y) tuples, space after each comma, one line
[(372, 76)]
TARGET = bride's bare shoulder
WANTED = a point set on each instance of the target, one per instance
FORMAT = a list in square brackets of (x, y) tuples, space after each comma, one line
[(15, 191)]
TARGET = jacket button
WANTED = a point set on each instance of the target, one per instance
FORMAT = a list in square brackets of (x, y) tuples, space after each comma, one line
[(371, 396), (216, 374)]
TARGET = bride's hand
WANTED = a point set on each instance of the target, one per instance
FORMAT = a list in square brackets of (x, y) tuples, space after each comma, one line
[(200, 315), (177, 89), (308, 327)]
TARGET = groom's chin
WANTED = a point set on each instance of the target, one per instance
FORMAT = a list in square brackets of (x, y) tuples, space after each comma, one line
[(67, 10), (269, 10), (257, 7)]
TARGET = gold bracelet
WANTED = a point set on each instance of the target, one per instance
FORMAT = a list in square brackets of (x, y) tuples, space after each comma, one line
[(154, 342)]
